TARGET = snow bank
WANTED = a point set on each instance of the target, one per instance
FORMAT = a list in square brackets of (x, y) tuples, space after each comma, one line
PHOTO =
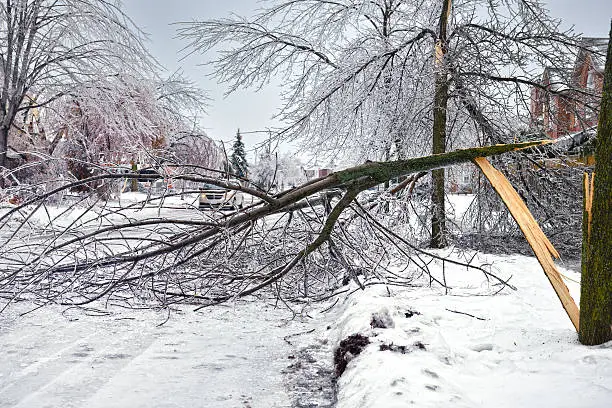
[(515, 349)]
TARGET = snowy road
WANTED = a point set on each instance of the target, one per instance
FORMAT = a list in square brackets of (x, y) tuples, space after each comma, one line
[(230, 356)]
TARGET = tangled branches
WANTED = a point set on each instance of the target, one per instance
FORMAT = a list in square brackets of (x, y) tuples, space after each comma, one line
[(297, 245)]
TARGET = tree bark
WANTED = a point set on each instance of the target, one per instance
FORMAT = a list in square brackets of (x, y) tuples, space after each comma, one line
[(3, 146), (596, 284), (438, 218), (4, 131), (134, 181)]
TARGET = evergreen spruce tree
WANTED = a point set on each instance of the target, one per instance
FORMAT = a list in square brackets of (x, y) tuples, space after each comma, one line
[(238, 161)]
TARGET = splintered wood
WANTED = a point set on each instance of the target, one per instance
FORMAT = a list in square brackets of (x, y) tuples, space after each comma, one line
[(542, 247)]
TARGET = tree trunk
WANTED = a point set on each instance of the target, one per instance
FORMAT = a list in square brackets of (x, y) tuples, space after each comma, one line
[(4, 131), (596, 285), (134, 181), (438, 218)]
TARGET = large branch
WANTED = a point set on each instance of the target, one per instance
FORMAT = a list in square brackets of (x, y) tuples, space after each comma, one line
[(357, 178), (379, 172)]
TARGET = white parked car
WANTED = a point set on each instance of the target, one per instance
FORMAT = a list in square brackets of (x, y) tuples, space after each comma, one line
[(212, 196)]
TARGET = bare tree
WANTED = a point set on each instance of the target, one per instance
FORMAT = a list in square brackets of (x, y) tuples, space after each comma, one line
[(377, 77), (441, 88), (118, 119), (124, 114), (195, 148), (276, 169), (48, 46)]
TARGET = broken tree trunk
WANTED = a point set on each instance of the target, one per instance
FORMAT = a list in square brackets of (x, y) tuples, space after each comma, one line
[(596, 282), (542, 247), (438, 216)]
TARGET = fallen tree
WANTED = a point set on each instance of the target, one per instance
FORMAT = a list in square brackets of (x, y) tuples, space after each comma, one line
[(283, 243)]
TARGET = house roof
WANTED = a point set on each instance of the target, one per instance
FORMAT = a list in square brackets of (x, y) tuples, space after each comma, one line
[(597, 48), (557, 79)]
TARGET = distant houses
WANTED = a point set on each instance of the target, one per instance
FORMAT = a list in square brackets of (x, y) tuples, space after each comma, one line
[(564, 102), (317, 172)]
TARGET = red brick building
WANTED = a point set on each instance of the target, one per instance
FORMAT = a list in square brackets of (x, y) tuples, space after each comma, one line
[(564, 104)]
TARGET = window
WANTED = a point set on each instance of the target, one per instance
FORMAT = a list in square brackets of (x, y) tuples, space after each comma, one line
[(590, 80)]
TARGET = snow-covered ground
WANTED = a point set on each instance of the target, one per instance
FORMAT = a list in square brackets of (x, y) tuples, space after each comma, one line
[(461, 349), (515, 349), (227, 356)]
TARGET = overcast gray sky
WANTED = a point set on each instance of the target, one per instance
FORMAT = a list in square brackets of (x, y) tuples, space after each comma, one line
[(250, 111), (247, 110)]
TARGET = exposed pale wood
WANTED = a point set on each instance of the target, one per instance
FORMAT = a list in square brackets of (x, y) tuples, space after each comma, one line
[(542, 247)]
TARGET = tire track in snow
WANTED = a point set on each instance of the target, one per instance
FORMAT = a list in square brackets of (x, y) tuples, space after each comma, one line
[(226, 357), (74, 372)]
